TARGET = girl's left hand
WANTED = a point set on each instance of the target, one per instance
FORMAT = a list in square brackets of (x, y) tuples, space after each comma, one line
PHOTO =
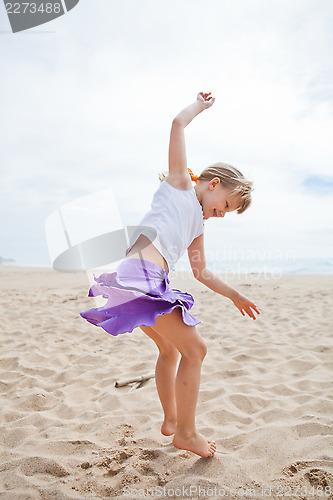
[(244, 304)]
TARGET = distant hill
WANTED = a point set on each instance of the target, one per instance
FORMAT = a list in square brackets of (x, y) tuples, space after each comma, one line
[(5, 261)]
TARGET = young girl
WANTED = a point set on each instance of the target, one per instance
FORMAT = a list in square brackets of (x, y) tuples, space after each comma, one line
[(138, 291)]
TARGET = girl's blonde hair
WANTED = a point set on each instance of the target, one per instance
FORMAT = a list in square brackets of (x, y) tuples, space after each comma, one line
[(230, 177)]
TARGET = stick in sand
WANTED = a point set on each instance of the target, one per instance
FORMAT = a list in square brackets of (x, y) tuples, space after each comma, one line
[(140, 378)]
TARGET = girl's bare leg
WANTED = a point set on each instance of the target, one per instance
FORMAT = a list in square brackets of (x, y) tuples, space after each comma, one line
[(165, 376), (193, 350)]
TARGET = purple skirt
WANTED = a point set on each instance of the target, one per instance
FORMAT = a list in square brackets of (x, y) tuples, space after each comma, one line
[(136, 292)]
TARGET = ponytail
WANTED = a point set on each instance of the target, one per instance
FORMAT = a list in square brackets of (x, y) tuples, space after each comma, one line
[(164, 175), (194, 178)]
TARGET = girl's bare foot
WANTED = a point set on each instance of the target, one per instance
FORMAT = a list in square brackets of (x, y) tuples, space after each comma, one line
[(195, 443), (169, 427)]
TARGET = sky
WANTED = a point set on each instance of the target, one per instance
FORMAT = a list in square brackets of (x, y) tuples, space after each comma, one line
[(87, 101)]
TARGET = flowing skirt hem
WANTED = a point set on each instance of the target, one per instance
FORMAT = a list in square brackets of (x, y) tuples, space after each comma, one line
[(136, 295), (188, 319)]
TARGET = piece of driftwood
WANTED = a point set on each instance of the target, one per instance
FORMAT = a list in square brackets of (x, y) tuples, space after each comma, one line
[(139, 379), (137, 385)]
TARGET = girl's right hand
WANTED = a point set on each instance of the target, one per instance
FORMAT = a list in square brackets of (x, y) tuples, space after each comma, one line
[(206, 99)]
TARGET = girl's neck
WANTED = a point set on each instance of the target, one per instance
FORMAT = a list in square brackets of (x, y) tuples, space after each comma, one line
[(198, 193)]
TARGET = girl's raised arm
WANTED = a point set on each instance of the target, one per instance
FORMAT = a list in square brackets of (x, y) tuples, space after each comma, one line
[(177, 150)]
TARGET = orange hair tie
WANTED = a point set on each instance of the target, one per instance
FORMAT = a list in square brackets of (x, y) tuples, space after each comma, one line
[(193, 177)]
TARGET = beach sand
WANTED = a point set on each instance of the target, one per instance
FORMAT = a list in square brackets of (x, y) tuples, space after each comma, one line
[(265, 397)]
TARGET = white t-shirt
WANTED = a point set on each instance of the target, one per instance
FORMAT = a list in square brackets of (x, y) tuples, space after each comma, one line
[(174, 221)]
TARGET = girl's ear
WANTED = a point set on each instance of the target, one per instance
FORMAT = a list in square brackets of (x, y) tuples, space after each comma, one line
[(214, 182)]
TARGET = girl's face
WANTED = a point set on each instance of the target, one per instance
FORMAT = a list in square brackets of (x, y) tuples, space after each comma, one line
[(217, 200)]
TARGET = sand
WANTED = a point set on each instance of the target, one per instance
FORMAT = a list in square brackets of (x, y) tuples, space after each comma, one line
[(266, 394)]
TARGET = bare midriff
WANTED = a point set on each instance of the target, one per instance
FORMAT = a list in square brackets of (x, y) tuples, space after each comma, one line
[(144, 249)]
